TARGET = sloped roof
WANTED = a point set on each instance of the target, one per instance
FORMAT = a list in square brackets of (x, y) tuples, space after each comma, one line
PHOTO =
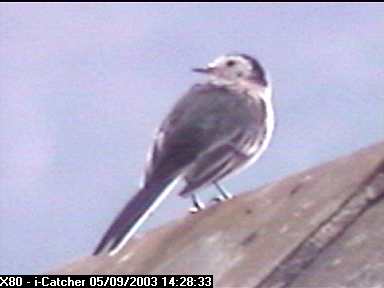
[(323, 227)]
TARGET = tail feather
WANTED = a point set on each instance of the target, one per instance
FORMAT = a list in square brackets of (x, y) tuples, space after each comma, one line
[(133, 215)]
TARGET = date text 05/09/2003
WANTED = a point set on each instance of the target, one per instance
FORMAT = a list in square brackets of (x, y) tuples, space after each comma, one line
[(36, 281)]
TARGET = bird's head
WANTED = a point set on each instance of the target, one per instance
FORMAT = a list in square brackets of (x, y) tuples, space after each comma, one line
[(235, 69)]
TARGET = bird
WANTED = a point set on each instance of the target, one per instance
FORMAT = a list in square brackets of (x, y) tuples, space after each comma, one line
[(217, 128)]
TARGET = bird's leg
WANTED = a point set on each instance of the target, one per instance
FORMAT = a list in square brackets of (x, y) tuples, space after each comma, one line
[(198, 205), (223, 193)]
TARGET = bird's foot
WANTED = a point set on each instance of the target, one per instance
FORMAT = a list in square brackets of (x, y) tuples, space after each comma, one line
[(223, 195), (198, 205), (221, 198)]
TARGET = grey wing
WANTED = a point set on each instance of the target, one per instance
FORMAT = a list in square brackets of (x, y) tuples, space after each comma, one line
[(233, 152), (207, 128), (179, 139)]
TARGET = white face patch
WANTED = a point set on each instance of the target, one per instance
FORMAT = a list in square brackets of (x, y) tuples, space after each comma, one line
[(230, 69)]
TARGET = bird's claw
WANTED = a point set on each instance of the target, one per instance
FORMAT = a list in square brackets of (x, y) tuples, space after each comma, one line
[(197, 205), (222, 198), (194, 210)]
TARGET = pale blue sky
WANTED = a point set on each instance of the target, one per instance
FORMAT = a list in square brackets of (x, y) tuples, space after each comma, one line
[(83, 87)]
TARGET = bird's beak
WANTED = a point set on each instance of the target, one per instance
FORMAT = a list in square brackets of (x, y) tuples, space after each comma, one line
[(205, 70)]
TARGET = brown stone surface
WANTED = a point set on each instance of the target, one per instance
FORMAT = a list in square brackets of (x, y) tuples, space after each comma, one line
[(319, 228), (356, 258)]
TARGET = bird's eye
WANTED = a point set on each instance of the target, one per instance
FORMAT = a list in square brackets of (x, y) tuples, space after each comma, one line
[(230, 63)]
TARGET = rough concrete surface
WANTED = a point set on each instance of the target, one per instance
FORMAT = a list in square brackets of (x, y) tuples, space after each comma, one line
[(319, 228)]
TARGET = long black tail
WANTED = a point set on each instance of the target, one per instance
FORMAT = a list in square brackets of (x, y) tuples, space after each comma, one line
[(132, 216)]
